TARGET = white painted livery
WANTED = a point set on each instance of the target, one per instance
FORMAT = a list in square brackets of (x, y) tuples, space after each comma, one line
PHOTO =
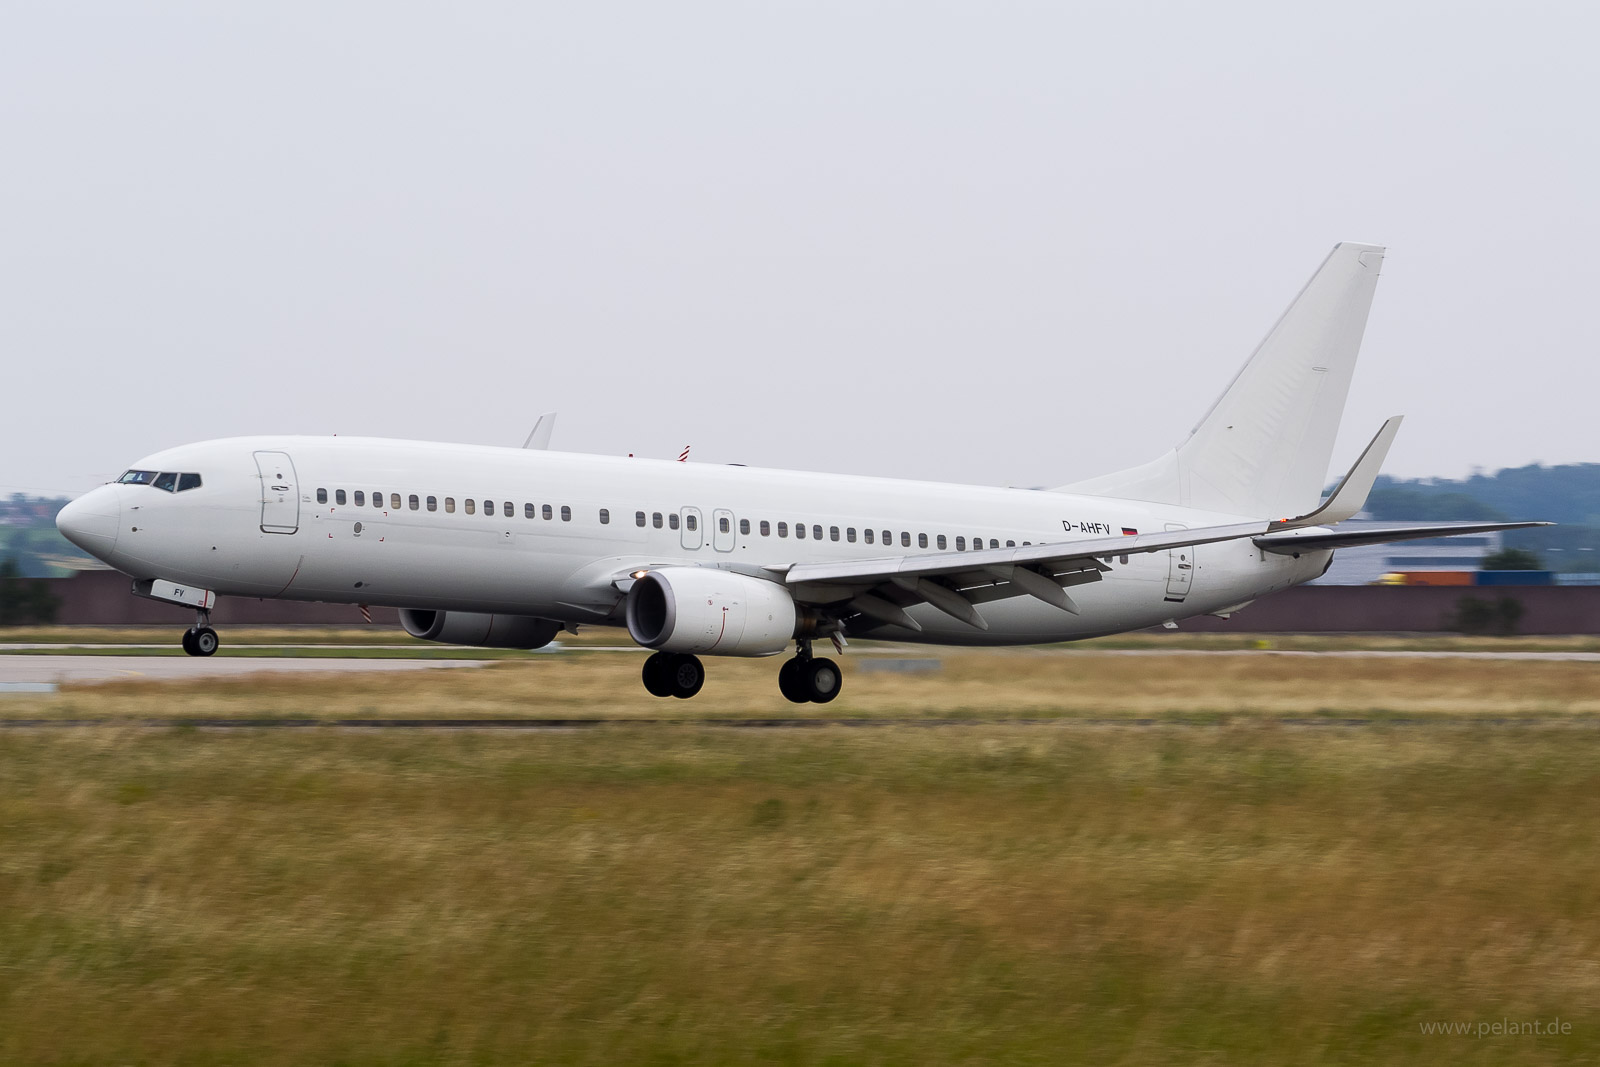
[(505, 547)]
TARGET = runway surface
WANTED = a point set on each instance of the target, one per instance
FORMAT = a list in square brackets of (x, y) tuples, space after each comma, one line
[(36, 668), (23, 669)]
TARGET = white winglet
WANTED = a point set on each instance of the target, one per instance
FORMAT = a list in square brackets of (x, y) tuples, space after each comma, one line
[(1350, 495), (540, 437)]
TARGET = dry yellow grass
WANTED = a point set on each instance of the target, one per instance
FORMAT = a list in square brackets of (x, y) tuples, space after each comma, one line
[(1005, 894), (973, 684)]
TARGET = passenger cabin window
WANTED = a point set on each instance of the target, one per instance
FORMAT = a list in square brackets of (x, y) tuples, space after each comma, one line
[(377, 499), (833, 533), (905, 539), (867, 535), (322, 494), (638, 518), (766, 528), (744, 526), (690, 521), (360, 499), (723, 526), (783, 529), (655, 519), (508, 509), (566, 513), (922, 540), (888, 537), (940, 543), (414, 502), (433, 503), (1011, 544), (338, 494), (137, 478), (816, 532), (168, 480), (994, 542), (800, 530), (850, 534), (394, 501), (528, 511), (547, 513), (449, 505), (961, 544), (471, 506), (488, 508), (672, 521), (605, 516)]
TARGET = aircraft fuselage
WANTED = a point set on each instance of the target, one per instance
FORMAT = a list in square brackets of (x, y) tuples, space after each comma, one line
[(554, 535)]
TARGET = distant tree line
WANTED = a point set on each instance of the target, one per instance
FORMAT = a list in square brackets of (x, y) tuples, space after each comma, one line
[(24, 600), (1568, 495), (28, 535)]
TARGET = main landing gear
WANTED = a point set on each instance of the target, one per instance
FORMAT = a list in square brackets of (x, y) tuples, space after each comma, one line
[(804, 680), (673, 674), (200, 639)]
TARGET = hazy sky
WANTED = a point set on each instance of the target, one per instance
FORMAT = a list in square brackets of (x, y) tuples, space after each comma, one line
[(996, 243)]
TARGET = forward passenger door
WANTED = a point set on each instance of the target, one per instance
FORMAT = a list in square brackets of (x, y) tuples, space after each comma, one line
[(280, 493)]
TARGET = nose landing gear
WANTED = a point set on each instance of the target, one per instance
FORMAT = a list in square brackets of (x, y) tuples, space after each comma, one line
[(200, 639), (804, 680)]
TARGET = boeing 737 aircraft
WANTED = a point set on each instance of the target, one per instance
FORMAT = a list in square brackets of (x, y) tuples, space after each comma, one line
[(505, 548)]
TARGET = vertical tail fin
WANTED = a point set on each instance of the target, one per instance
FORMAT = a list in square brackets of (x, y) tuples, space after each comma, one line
[(1263, 448)]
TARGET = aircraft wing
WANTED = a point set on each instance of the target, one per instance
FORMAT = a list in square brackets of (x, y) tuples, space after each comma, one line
[(954, 581), (1312, 538)]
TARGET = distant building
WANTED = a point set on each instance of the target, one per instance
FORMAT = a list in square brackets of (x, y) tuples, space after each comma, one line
[(1367, 563)]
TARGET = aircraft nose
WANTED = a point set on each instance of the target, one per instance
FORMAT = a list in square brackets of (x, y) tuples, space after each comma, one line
[(92, 521)]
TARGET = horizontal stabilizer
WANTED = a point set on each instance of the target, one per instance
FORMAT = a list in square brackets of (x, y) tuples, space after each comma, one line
[(1314, 538)]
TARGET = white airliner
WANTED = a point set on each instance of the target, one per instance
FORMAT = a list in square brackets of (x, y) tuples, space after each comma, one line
[(506, 547)]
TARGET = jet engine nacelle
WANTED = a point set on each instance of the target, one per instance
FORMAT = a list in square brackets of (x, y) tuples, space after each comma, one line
[(704, 609), (483, 631)]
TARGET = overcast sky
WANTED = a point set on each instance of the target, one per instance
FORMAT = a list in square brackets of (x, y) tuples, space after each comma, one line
[(994, 243)]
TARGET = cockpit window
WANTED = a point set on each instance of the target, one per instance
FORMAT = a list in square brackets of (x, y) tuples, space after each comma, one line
[(171, 481)]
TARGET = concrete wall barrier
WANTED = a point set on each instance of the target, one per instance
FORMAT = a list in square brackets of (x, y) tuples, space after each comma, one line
[(102, 598)]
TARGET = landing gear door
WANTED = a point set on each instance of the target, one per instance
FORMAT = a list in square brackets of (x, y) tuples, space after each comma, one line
[(280, 493), (1180, 568), (693, 535)]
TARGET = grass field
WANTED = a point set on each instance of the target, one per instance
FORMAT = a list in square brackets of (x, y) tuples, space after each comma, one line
[(1226, 890)]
